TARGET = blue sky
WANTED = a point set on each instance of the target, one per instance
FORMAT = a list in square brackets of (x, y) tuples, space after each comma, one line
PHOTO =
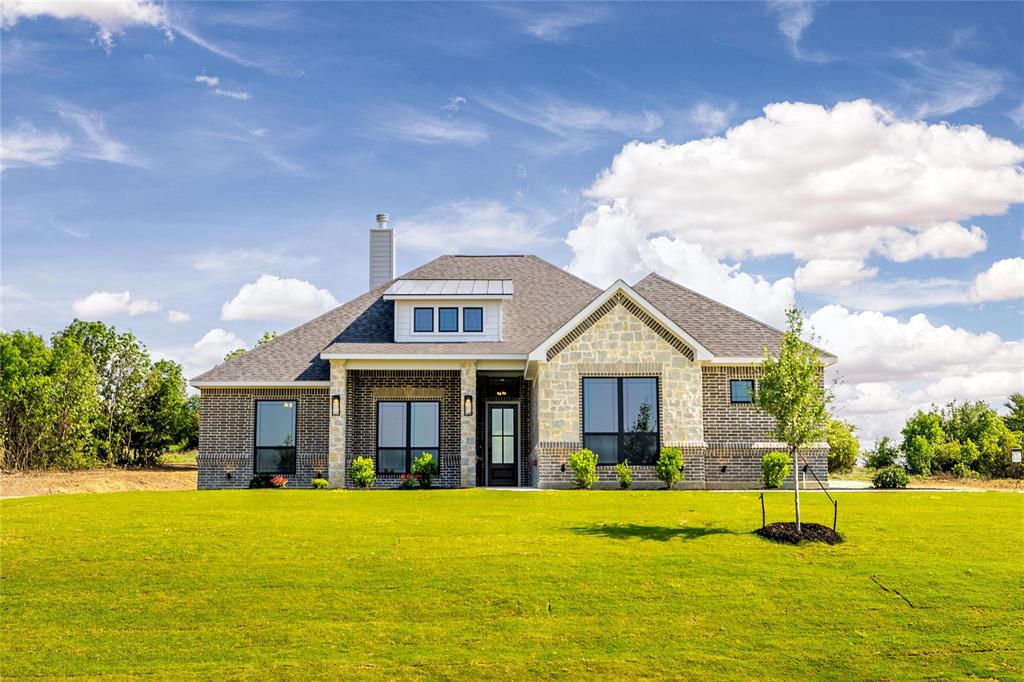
[(182, 152)]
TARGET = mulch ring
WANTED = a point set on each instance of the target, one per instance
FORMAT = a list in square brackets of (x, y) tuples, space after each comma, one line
[(809, 532)]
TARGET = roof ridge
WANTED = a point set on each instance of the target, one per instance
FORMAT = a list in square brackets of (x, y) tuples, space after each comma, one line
[(566, 271)]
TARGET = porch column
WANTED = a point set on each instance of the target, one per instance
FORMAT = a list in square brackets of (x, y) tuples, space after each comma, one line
[(336, 444), (468, 436)]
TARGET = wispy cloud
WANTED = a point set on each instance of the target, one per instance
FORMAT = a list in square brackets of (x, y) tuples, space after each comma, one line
[(468, 226), (710, 119), (554, 25), (943, 85), (415, 126), (267, 64), (214, 82), (100, 144), (455, 103), (24, 145), (578, 125), (794, 18), (1017, 116), (235, 260)]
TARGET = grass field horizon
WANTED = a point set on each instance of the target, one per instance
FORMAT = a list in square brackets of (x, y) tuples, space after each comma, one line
[(496, 584)]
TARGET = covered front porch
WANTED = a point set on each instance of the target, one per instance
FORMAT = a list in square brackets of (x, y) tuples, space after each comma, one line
[(472, 417)]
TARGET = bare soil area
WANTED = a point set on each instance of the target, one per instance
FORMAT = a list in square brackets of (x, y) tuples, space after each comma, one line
[(34, 483)]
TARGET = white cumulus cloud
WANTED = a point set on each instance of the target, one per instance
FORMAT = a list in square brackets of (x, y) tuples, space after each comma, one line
[(892, 368), (1002, 281), (816, 182), (277, 298), (100, 304), (109, 16), (178, 316), (825, 274), (205, 353), (609, 244)]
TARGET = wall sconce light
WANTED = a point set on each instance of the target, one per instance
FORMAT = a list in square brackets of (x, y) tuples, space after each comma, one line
[(335, 405), (467, 405), (723, 469)]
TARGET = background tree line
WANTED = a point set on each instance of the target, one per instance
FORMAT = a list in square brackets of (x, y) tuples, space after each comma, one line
[(963, 438), (91, 397)]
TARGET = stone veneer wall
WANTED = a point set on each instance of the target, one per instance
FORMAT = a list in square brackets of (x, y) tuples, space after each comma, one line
[(364, 388), (618, 344), (227, 435)]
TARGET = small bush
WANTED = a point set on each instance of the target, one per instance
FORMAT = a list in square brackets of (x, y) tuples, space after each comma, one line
[(892, 476), (584, 468), (424, 469), (961, 470), (670, 466), (946, 456), (408, 482), (625, 474), (320, 483), (268, 481), (362, 472), (774, 469)]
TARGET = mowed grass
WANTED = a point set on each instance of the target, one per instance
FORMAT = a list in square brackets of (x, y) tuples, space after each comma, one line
[(494, 584)]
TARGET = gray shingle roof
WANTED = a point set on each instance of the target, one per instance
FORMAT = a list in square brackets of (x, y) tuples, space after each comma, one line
[(724, 331), (545, 297)]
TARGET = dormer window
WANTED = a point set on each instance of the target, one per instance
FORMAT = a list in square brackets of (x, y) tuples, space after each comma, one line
[(472, 319), (447, 319), (423, 319)]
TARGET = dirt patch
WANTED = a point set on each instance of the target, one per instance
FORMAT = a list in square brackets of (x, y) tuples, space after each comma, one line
[(951, 483), (33, 483), (809, 532)]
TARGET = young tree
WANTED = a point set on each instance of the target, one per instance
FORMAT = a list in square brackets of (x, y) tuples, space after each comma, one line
[(884, 455), (843, 447), (163, 410), (793, 393), (921, 434)]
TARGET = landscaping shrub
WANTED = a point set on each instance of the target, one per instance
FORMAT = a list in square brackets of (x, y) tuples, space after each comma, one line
[(843, 447), (774, 469), (625, 474), (670, 466), (320, 483), (362, 472), (892, 476), (884, 454), (584, 468), (947, 455), (961, 470), (407, 482), (268, 481), (424, 469), (919, 453)]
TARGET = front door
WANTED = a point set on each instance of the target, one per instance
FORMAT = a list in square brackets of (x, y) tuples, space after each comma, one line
[(502, 444)]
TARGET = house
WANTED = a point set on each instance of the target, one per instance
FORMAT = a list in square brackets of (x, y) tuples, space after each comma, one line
[(499, 366)]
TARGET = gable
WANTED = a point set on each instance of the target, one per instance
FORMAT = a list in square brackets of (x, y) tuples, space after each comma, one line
[(616, 300)]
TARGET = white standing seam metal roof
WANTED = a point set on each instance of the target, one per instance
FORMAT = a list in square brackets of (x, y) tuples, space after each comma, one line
[(450, 287)]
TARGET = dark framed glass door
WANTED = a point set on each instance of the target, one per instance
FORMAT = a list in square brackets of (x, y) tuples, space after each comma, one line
[(502, 443)]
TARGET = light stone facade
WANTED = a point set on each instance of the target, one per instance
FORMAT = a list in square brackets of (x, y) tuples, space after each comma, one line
[(619, 344), (467, 460), (336, 432)]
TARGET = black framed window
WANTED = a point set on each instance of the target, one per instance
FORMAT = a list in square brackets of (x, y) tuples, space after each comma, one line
[(472, 319), (405, 430), (447, 319), (275, 437), (423, 319), (741, 390), (620, 419)]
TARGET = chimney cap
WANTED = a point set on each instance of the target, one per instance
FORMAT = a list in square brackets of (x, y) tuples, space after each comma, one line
[(382, 220)]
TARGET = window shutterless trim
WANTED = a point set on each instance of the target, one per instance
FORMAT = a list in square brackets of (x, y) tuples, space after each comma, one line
[(732, 399), (409, 448), (255, 437), (622, 434), (465, 327), (447, 331), (415, 328)]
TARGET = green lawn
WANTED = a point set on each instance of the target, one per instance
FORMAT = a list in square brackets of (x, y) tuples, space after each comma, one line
[(492, 584)]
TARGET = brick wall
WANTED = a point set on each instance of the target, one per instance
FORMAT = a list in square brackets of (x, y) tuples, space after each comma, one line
[(365, 388), (227, 435), (550, 468), (725, 421)]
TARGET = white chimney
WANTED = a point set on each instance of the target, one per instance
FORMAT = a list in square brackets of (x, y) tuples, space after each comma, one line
[(382, 252)]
